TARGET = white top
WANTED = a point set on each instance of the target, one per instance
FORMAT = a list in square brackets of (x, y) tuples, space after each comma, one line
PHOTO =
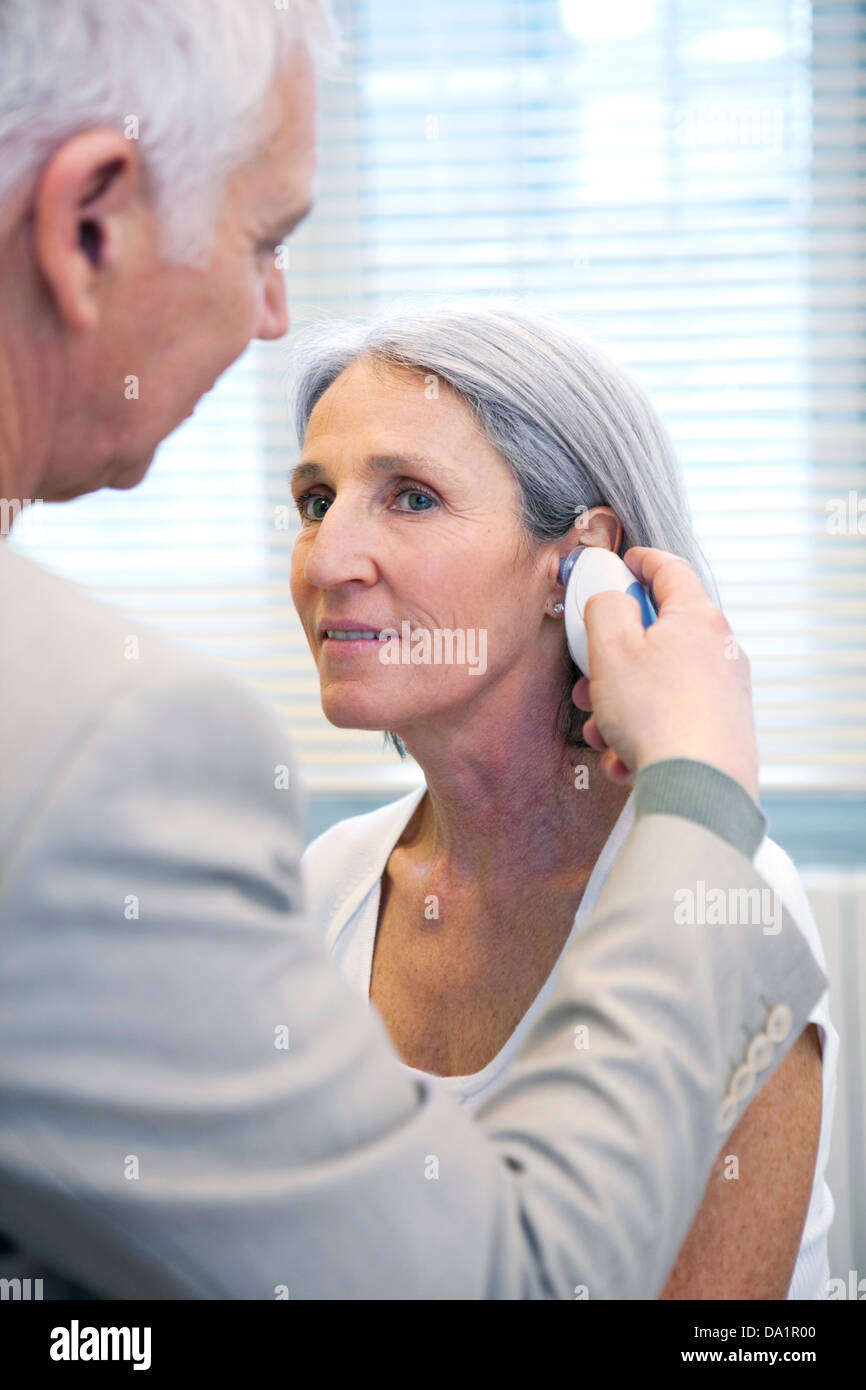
[(342, 871)]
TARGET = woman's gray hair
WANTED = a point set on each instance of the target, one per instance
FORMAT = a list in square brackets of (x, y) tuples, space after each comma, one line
[(574, 428), (187, 79)]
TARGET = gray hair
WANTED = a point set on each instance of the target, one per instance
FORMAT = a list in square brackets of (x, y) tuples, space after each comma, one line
[(574, 428), (194, 75)]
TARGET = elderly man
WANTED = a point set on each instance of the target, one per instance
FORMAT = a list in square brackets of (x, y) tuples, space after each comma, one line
[(192, 1103)]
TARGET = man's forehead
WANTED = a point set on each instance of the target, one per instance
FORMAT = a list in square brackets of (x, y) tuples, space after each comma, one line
[(285, 162), (291, 115)]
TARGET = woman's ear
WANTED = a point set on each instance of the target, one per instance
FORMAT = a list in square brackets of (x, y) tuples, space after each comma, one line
[(598, 526), (594, 526)]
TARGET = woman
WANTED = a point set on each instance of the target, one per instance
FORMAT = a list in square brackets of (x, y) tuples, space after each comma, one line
[(450, 459)]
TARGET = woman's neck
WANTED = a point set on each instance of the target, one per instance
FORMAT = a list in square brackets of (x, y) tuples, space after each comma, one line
[(505, 818)]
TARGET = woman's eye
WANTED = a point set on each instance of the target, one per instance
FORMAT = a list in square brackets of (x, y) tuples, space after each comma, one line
[(417, 492), (308, 500), (305, 502)]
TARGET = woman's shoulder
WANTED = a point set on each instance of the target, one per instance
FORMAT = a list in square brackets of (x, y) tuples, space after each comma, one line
[(781, 873), (361, 831), (333, 863)]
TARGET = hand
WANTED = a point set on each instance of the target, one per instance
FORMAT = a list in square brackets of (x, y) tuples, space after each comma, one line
[(680, 688)]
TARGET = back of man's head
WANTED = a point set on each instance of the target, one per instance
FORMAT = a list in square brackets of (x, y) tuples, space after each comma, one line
[(186, 80)]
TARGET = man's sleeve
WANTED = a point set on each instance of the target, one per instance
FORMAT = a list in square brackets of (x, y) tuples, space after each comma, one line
[(193, 1104)]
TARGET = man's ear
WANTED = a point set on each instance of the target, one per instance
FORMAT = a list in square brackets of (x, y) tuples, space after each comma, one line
[(85, 207)]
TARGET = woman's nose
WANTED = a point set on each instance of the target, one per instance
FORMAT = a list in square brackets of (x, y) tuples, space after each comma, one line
[(340, 550)]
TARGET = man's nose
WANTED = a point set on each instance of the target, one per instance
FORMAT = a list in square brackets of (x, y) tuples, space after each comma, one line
[(274, 321)]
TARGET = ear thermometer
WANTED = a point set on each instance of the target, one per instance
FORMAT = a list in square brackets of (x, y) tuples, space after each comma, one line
[(588, 570)]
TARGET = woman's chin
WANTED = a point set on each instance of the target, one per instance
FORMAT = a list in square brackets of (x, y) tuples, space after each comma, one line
[(352, 713)]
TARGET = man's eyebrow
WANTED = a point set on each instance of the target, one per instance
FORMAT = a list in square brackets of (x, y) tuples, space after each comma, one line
[(379, 463), (283, 228)]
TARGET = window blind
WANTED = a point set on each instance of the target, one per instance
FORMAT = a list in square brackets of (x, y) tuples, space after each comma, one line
[(683, 182)]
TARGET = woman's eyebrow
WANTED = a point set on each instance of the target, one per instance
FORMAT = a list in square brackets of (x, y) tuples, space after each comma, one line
[(379, 463), (302, 471), (393, 463)]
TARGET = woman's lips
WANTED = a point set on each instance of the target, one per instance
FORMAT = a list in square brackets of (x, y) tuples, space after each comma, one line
[(348, 646)]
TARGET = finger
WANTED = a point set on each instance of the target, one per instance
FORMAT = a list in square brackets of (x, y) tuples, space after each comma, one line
[(613, 626), (580, 694), (615, 769), (593, 735), (675, 583)]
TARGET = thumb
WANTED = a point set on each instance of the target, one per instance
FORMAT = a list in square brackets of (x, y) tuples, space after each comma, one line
[(613, 624)]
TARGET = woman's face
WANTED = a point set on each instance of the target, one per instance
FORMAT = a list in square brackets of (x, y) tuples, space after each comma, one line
[(410, 516)]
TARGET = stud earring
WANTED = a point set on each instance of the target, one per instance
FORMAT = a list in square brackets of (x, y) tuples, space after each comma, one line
[(557, 608)]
